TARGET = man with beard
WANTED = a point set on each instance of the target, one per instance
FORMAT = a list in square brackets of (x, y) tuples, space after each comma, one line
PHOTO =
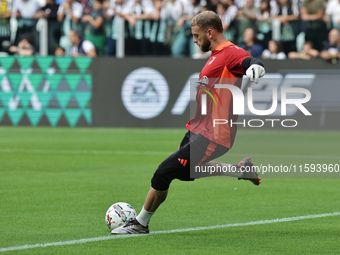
[(204, 141)]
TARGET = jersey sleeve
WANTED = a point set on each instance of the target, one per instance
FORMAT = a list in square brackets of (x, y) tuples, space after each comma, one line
[(234, 56)]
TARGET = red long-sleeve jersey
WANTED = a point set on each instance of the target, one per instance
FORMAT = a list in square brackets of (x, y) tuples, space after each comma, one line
[(223, 67)]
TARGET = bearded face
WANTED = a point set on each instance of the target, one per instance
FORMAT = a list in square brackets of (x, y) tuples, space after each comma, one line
[(205, 46), (200, 38)]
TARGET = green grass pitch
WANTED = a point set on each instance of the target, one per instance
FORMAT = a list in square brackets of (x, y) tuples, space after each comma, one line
[(57, 183)]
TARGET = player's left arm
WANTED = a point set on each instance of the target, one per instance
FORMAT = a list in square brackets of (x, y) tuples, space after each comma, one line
[(239, 63), (254, 68)]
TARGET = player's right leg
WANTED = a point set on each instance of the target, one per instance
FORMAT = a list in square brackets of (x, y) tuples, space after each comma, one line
[(249, 171), (171, 168), (244, 170)]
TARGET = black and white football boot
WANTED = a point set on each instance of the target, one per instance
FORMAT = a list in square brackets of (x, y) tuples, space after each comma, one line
[(132, 227)]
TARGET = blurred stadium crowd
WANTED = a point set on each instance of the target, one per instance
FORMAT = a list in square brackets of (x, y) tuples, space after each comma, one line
[(274, 29)]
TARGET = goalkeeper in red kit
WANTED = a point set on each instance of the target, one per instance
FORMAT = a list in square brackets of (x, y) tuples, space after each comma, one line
[(204, 141)]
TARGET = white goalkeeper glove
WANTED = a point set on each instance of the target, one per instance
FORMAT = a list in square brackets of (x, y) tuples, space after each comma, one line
[(254, 72)]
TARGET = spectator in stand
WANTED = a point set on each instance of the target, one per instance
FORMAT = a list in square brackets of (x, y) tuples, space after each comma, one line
[(23, 11), (240, 4), (211, 5), (112, 10), (173, 10), (69, 13), (273, 6), (183, 45), (246, 18), (274, 51), (59, 51), (5, 14), (253, 48), (81, 47), (227, 12), (94, 27), (49, 12), (333, 11), (312, 12), (264, 25), (288, 14), (308, 52), (332, 50), (87, 6), (158, 34), (139, 14), (25, 46)]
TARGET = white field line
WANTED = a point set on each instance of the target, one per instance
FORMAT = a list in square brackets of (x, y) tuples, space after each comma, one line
[(153, 153), (103, 238)]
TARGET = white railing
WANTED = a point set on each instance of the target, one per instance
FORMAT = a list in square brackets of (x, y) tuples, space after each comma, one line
[(120, 42), (42, 28)]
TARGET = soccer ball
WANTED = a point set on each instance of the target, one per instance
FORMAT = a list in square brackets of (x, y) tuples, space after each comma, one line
[(118, 214)]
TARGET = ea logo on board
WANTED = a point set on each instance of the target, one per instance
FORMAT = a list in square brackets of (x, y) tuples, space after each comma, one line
[(145, 93)]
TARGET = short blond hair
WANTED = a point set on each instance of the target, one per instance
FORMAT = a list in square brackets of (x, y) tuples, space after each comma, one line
[(206, 20)]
